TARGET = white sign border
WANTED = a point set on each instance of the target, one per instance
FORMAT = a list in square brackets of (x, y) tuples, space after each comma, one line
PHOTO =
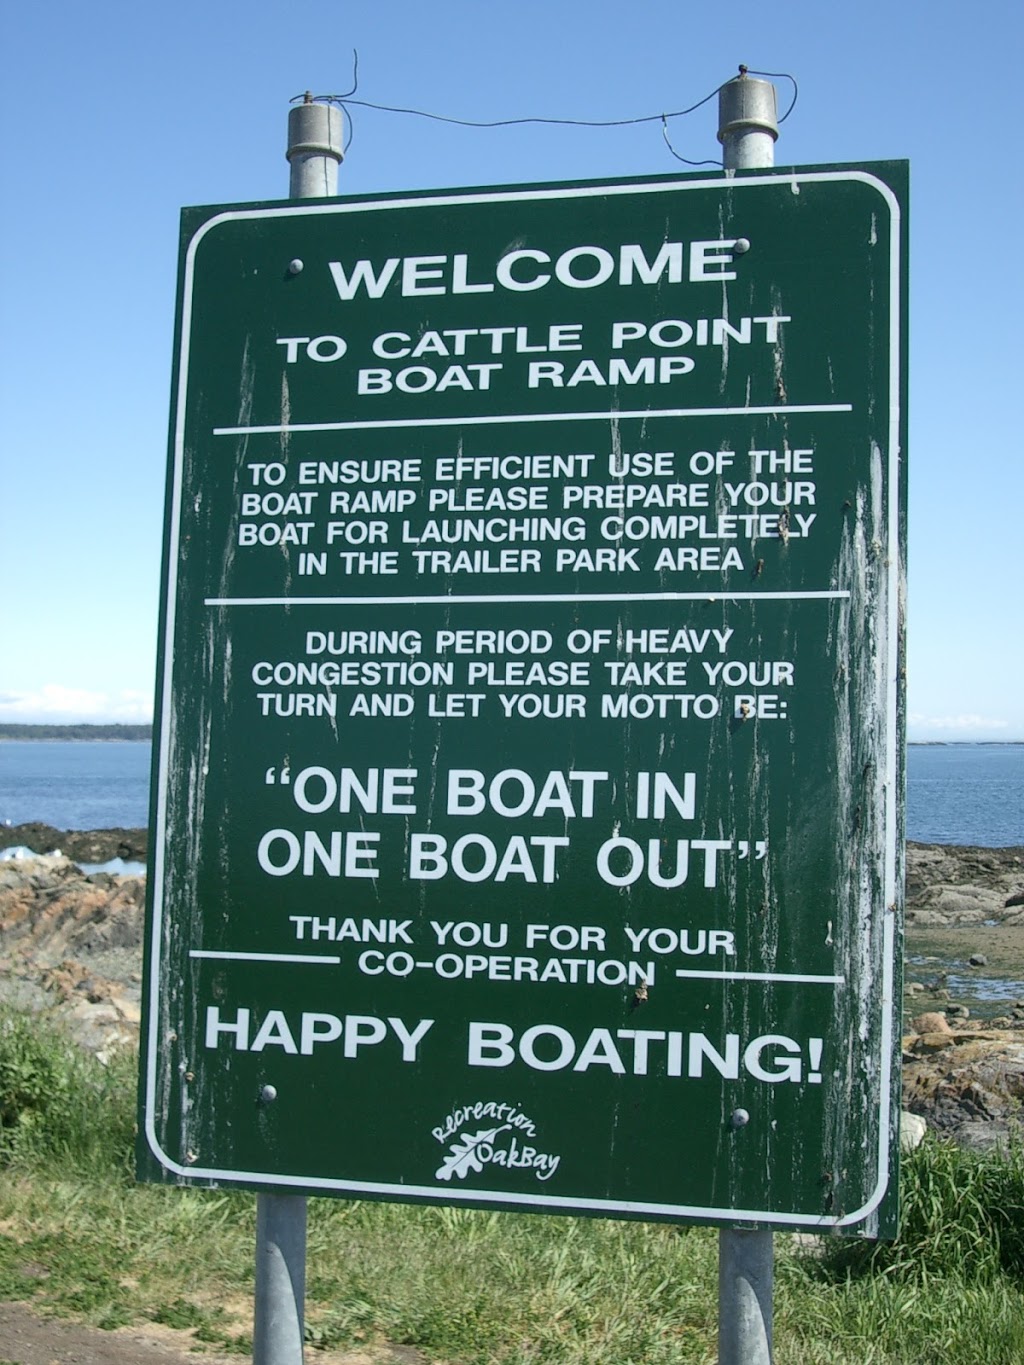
[(518, 1200)]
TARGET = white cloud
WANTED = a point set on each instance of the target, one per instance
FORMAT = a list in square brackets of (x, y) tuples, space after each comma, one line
[(968, 723), (57, 705)]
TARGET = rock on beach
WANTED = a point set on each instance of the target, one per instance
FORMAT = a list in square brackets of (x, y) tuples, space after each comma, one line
[(950, 885), (71, 946), (83, 846)]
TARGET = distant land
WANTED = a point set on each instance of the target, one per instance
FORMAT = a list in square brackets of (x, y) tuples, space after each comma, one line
[(954, 743), (145, 733), (105, 732)]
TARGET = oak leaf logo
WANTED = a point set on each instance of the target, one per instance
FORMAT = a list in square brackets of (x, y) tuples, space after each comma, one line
[(462, 1156)]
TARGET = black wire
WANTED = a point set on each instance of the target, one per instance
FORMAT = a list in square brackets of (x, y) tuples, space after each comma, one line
[(781, 76), (684, 159), (561, 122), (515, 122), (355, 74), (344, 100)]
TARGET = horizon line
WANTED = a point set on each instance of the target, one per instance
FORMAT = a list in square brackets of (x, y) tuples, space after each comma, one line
[(149, 724)]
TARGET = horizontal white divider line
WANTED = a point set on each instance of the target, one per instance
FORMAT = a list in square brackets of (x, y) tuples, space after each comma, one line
[(605, 416), (763, 976), (828, 595), (266, 957)]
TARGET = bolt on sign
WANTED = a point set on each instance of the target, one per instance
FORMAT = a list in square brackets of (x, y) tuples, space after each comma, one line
[(528, 801)]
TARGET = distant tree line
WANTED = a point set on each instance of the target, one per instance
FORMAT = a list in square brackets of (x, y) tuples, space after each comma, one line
[(124, 732)]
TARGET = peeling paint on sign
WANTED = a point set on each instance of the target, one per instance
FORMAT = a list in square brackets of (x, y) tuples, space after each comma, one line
[(530, 733)]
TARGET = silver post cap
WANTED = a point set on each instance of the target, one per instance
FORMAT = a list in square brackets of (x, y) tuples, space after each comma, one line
[(315, 130), (747, 105)]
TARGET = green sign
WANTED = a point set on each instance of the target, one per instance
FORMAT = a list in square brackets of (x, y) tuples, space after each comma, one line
[(528, 800)]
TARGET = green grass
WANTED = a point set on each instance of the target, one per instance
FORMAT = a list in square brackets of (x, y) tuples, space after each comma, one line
[(58, 1104), (78, 1237), (961, 1215)]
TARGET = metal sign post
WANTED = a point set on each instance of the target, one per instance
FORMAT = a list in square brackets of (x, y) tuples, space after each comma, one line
[(747, 129), (280, 1289), (314, 153), (527, 809)]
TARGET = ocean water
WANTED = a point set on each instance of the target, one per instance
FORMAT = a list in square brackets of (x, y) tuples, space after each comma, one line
[(966, 794), (75, 784), (956, 793)]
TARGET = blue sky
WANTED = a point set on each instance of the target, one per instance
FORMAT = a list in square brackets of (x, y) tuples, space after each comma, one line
[(118, 114)]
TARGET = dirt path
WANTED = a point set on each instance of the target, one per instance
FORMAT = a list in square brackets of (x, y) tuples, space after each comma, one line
[(28, 1339)]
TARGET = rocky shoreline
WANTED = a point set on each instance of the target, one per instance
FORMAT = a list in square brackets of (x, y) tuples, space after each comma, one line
[(71, 945), (951, 885), (81, 846)]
